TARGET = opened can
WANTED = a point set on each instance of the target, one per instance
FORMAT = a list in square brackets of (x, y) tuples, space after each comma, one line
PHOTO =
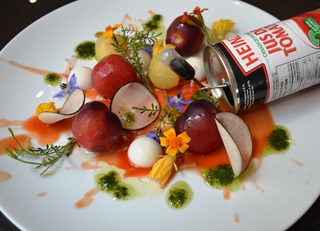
[(267, 63)]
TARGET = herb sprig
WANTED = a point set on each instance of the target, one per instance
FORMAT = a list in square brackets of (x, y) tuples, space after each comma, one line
[(135, 40), (168, 114), (47, 157)]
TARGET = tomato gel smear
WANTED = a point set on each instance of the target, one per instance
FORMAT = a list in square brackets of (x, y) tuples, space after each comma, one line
[(11, 144), (45, 133), (259, 121)]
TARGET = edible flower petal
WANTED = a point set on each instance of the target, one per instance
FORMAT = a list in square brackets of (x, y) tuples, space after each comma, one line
[(162, 169), (178, 102), (222, 26), (175, 144), (108, 33), (158, 47), (67, 89), (43, 107), (197, 10), (153, 135)]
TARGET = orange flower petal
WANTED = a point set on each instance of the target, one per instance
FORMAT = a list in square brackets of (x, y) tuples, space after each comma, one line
[(184, 137), (164, 141), (116, 26), (170, 133), (172, 150), (197, 10), (183, 147), (162, 168)]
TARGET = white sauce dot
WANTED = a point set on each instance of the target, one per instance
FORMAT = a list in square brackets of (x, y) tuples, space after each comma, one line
[(83, 74), (144, 152)]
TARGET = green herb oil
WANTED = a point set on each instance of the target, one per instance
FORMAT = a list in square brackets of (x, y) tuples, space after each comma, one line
[(179, 195), (52, 79), (220, 177), (111, 184), (86, 50), (279, 141)]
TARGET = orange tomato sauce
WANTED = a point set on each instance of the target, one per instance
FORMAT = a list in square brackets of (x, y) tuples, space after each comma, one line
[(259, 121)]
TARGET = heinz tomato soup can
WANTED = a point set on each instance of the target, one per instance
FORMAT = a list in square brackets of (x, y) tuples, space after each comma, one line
[(267, 63)]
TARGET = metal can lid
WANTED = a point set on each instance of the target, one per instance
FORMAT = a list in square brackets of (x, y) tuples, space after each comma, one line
[(218, 72)]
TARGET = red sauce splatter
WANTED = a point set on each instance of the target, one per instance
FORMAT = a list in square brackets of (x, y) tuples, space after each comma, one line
[(11, 144), (7, 123), (226, 194), (4, 176), (260, 130), (44, 133), (42, 194), (28, 68), (236, 217), (87, 199)]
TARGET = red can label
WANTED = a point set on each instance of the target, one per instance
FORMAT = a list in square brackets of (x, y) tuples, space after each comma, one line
[(276, 60)]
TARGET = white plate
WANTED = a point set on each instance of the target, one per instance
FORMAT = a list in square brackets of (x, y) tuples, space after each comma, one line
[(287, 189)]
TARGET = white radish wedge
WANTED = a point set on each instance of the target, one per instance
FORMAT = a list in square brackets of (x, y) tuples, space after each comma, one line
[(130, 96), (71, 107), (237, 140)]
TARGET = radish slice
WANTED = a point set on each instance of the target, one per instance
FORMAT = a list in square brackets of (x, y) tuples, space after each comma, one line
[(70, 108), (237, 140), (131, 95)]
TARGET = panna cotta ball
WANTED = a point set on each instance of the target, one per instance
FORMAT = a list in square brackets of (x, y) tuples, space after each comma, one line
[(83, 77), (144, 152)]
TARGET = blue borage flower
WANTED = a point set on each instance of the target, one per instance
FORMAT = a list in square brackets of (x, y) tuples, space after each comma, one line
[(178, 102), (148, 49), (153, 135), (67, 89)]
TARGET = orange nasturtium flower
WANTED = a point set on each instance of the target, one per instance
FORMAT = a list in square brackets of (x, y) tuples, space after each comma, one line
[(162, 169), (197, 10), (44, 107), (108, 33)]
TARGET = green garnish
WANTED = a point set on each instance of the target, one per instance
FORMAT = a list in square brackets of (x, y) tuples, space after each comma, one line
[(52, 79), (219, 176), (47, 156), (153, 23), (201, 94), (134, 41), (86, 50), (110, 183), (168, 114), (279, 139), (179, 194)]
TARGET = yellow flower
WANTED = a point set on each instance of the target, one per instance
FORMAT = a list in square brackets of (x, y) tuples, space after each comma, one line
[(222, 26), (162, 169), (108, 33), (175, 144), (46, 107), (158, 47)]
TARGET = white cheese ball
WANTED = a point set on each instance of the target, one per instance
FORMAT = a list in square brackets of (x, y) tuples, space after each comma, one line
[(197, 64), (83, 74), (144, 152)]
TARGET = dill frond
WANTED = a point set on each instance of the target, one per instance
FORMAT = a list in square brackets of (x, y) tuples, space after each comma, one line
[(46, 157), (133, 41)]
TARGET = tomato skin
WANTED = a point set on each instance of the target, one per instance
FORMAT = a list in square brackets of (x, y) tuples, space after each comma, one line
[(110, 73), (96, 128)]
